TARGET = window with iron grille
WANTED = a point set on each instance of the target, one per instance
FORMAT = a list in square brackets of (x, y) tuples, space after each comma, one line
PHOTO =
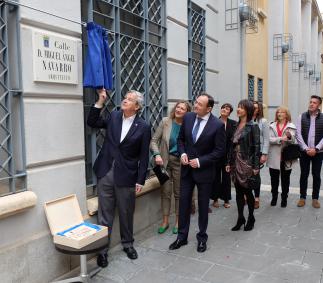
[(12, 151), (138, 49), (196, 50), (260, 90), (251, 87)]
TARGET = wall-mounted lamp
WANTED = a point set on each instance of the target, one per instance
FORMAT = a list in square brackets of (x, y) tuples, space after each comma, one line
[(285, 47), (282, 46), (298, 61)]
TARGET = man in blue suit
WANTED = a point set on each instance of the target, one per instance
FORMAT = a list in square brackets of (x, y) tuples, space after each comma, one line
[(201, 143), (121, 165)]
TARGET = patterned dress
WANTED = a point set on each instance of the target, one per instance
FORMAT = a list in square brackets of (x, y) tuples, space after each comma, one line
[(241, 170)]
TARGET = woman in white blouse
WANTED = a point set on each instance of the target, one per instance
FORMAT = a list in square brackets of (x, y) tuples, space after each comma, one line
[(281, 133)]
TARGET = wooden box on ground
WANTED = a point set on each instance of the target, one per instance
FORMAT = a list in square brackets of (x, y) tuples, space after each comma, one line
[(67, 225)]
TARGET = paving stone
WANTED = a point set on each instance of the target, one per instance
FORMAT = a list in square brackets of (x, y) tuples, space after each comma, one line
[(286, 246), (313, 260), (303, 243), (250, 247), (99, 279), (192, 268), (231, 258), (149, 276), (273, 239), (221, 274), (294, 271), (155, 260), (257, 278)]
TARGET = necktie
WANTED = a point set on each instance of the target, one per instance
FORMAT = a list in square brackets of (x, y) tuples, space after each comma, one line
[(196, 129)]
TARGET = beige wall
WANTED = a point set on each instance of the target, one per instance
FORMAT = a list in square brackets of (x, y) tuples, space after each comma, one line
[(257, 52)]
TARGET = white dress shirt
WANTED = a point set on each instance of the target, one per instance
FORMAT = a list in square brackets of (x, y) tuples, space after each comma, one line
[(202, 124), (126, 125)]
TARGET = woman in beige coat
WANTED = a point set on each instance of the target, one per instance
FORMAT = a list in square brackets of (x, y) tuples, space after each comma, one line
[(281, 133), (164, 147)]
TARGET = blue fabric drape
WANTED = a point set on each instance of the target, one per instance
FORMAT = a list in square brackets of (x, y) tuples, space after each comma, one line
[(98, 67)]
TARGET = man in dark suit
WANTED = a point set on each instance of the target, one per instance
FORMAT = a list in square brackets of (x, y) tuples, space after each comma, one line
[(121, 165), (201, 143)]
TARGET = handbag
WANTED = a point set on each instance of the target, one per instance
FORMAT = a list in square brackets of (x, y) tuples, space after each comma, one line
[(254, 181), (161, 174), (291, 152)]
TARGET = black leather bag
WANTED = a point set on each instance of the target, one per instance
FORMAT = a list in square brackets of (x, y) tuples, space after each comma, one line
[(291, 152), (254, 181), (161, 174)]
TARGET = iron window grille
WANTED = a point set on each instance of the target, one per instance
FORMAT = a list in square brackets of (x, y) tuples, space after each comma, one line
[(231, 14), (260, 85), (12, 147), (137, 39), (196, 50), (251, 87)]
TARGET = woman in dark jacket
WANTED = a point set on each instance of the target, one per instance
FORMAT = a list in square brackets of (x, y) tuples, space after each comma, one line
[(222, 184), (243, 164)]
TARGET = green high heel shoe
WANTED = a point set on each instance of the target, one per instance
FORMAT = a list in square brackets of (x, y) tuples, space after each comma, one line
[(162, 229), (175, 230)]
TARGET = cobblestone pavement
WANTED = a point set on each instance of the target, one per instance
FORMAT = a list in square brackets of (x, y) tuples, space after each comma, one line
[(285, 246)]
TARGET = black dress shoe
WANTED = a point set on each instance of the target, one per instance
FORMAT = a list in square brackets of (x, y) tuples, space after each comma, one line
[(240, 222), (201, 247), (273, 201), (250, 223), (102, 260), (177, 244), (283, 202), (131, 252)]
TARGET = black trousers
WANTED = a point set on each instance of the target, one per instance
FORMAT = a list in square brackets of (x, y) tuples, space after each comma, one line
[(185, 202), (305, 163), (241, 192), (285, 180), (222, 184)]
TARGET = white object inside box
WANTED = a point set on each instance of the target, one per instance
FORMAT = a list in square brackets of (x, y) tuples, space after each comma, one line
[(67, 225)]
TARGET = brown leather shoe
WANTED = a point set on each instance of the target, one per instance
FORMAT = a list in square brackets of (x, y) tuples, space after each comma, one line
[(316, 203), (227, 205), (301, 202), (257, 205), (216, 204)]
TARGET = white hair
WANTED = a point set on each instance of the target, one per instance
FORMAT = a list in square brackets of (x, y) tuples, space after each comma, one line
[(139, 98)]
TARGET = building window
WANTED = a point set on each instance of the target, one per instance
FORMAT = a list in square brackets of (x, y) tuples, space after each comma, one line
[(260, 90), (251, 87), (12, 148), (137, 38), (196, 50)]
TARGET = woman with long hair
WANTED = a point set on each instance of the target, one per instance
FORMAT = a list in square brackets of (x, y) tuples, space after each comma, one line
[(222, 184), (164, 147), (281, 133), (258, 118), (243, 162)]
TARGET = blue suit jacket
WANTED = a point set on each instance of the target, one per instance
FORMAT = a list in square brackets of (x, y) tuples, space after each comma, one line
[(131, 156), (209, 148)]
